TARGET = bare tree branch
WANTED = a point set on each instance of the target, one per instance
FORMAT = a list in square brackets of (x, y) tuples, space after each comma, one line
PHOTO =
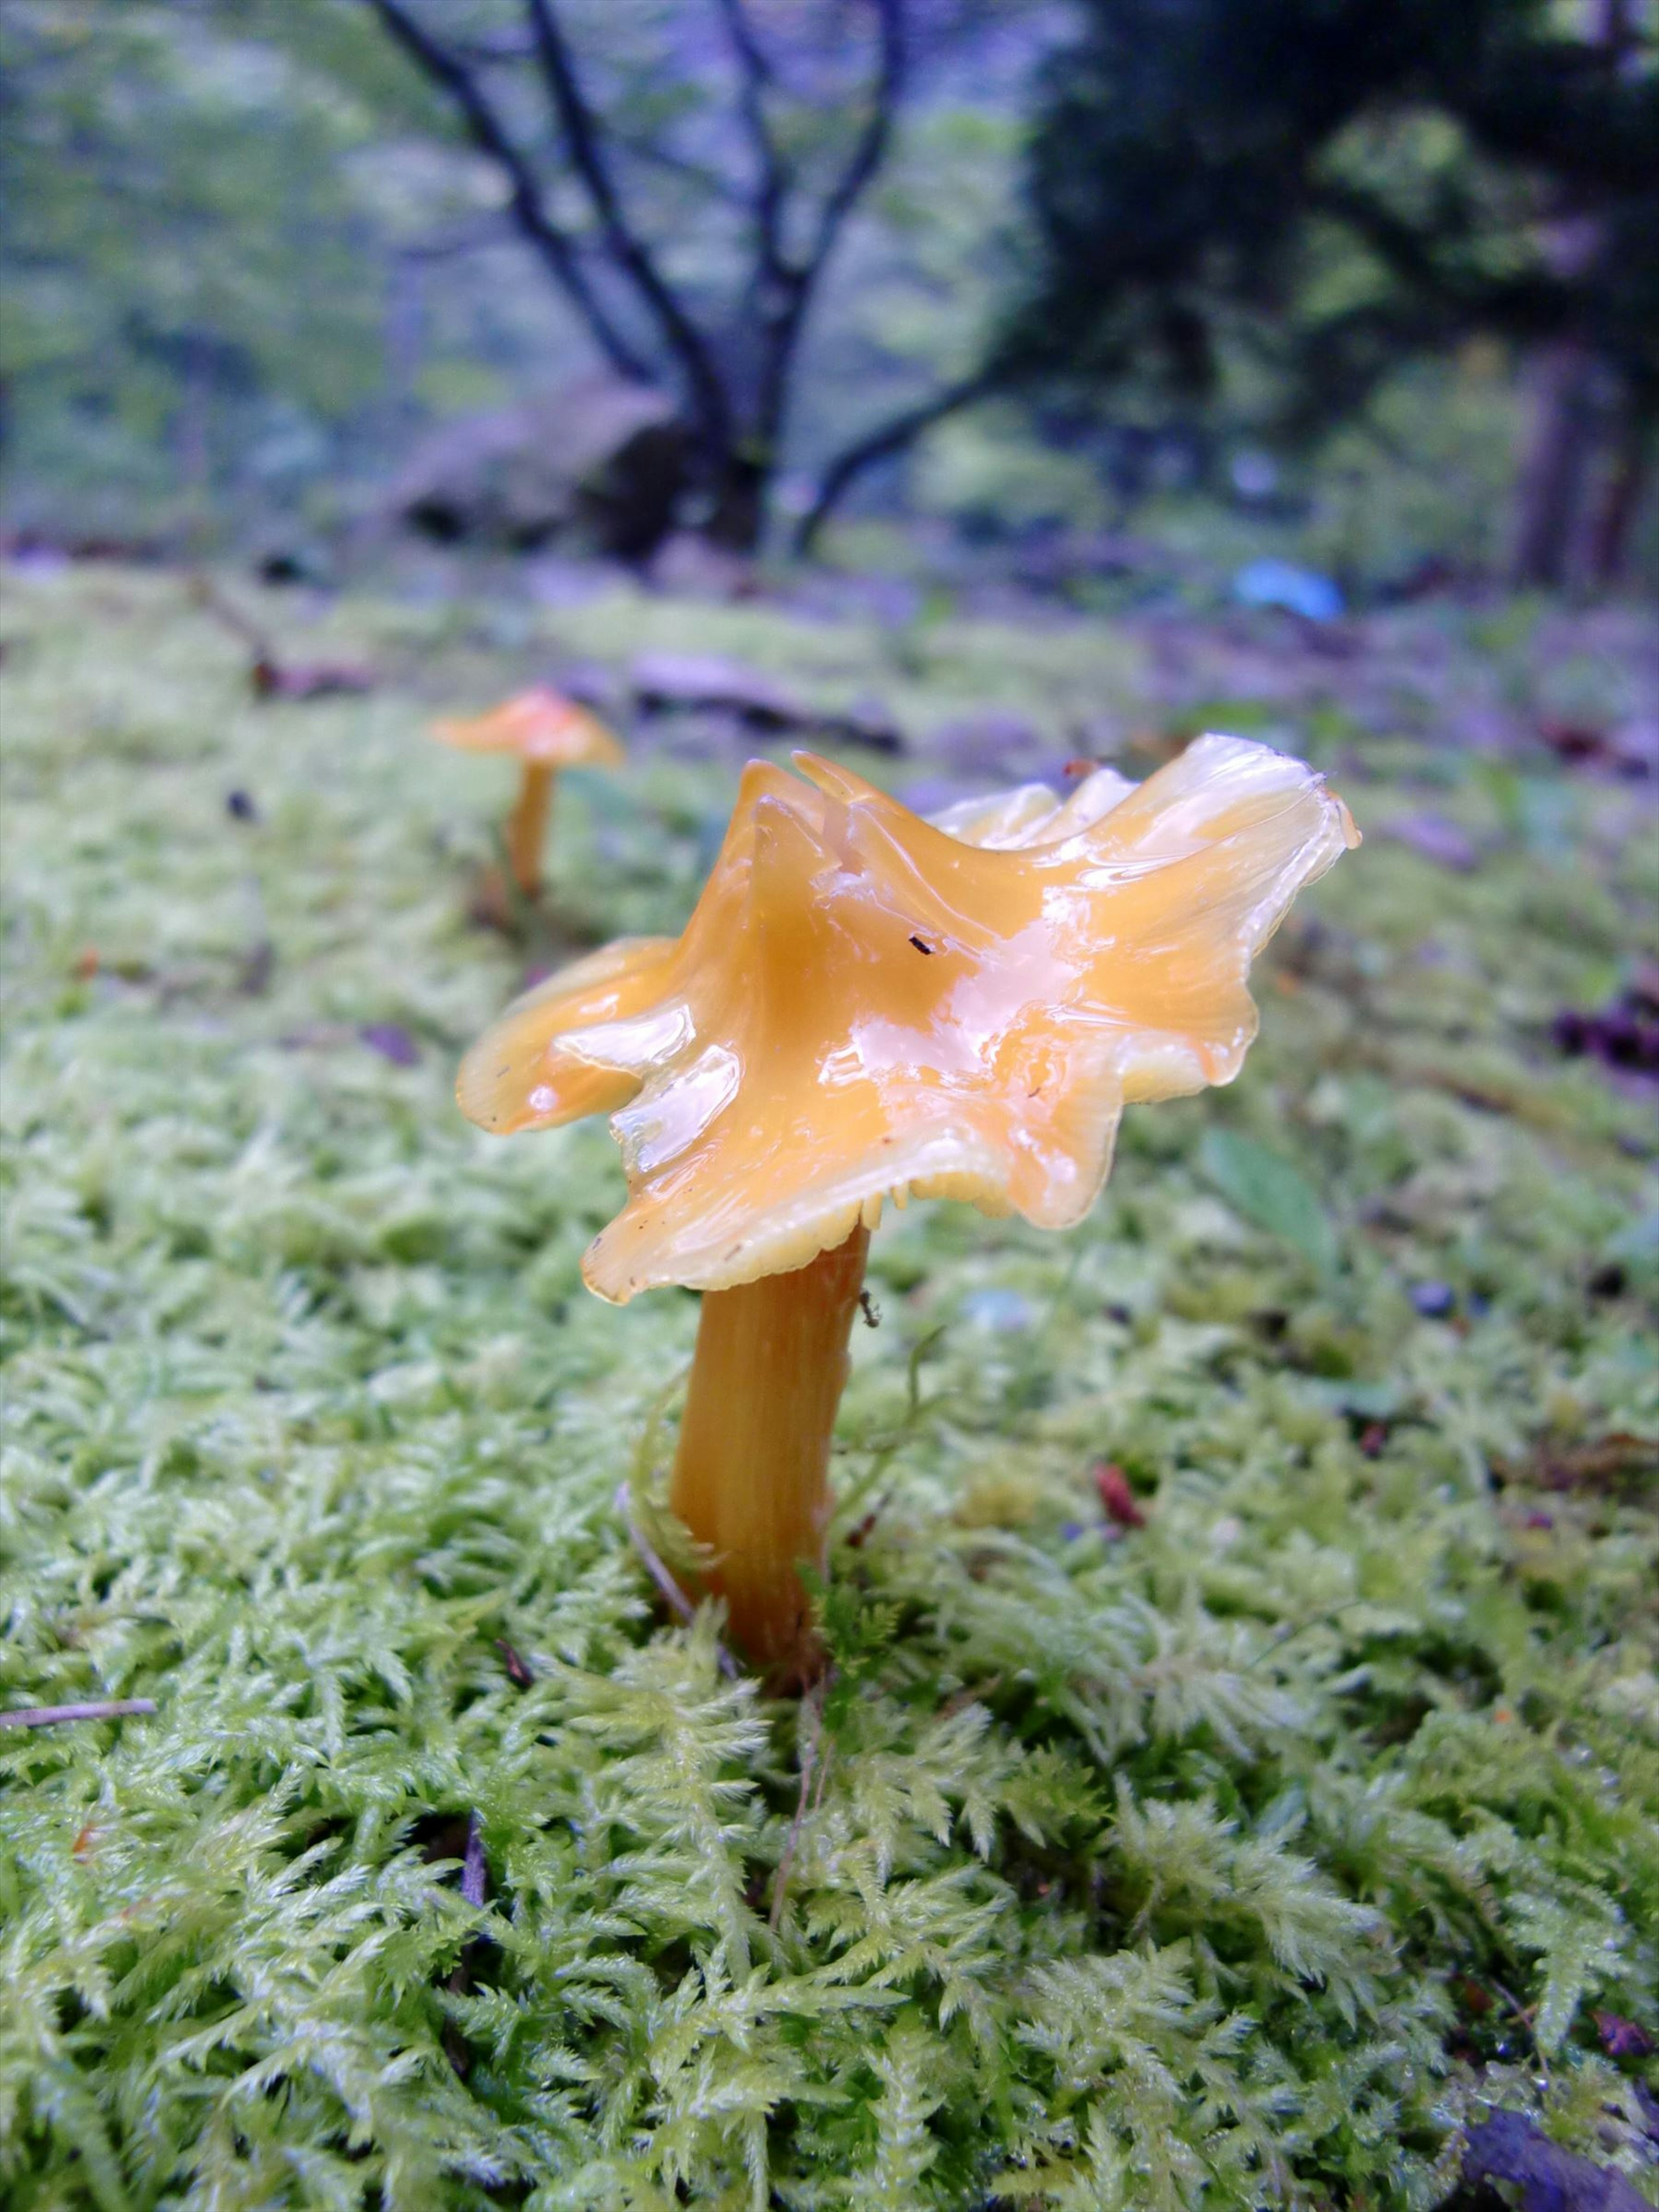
[(740, 429), (797, 282), (475, 237), (682, 165), (771, 175), (583, 137), (872, 147), (504, 49), (882, 444), (556, 249), (746, 41)]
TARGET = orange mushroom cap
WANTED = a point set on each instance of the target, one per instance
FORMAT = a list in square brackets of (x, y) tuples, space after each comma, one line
[(865, 1005), (539, 728)]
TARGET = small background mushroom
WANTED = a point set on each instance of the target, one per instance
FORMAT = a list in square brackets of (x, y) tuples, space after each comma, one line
[(544, 733)]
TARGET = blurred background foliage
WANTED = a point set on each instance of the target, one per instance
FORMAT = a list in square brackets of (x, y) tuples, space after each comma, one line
[(1371, 281)]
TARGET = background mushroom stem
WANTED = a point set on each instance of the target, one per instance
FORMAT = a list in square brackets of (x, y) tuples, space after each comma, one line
[(526, 826), (751, 1478)]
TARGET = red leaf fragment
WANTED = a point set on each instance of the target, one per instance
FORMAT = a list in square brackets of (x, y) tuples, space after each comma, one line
[(858, 1536), (1508, 2147), (1116, 1498)]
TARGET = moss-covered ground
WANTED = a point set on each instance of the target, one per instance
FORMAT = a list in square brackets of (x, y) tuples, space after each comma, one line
[(1245, 1856)]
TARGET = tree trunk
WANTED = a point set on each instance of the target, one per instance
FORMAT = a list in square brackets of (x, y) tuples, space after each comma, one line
[(742, 487), (1553, 478), (1622, 493)]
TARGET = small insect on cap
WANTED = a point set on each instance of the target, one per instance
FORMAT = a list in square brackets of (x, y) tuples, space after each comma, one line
[(538, 727), (867, 1006)]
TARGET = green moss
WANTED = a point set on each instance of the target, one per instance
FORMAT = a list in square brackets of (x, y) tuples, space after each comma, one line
[(1234, 1859)]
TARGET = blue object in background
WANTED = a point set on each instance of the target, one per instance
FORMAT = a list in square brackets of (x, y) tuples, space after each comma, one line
[(1302, 592), (994, 1308)]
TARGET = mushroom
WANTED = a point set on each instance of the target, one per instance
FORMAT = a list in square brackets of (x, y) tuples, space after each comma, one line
[(867, 1006), (544, 733)]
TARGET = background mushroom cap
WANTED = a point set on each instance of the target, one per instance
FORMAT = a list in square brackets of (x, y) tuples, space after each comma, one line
[(866, 1005), (540, 727)]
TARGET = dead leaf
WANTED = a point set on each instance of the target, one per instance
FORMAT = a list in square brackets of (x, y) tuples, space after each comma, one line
[(1604, 1464), (1625, 1034), (1508, 2147), (308, 679), (1601, 1464), (1622, 2037)]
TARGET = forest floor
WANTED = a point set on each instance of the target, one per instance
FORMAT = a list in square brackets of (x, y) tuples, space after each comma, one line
[(1260, 1825)]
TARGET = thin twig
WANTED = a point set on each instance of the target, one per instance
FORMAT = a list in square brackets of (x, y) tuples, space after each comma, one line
[(653, 1563), (107, 1709), (885, 95), (1526, 2014), (772, 173), (794, 282), (825, 1759), (890, 438), (489, 50), (812, 1708), (212, 601), (681, 166), (475, 1891), (443, 68), (584, 139), (475, 1870), (1286, 1632)]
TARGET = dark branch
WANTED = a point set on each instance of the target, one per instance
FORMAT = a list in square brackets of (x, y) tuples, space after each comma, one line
[(869, 153), (795, 283), (1527, 304), (891, 439), (682, 165), (464, 238), (751, 55), (1408, 252), (771, 175), (582, 135), (507, 49), (488, 133)]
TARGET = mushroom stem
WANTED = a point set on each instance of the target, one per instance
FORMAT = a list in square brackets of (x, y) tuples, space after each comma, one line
[(751, 1478), (526, 826)]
